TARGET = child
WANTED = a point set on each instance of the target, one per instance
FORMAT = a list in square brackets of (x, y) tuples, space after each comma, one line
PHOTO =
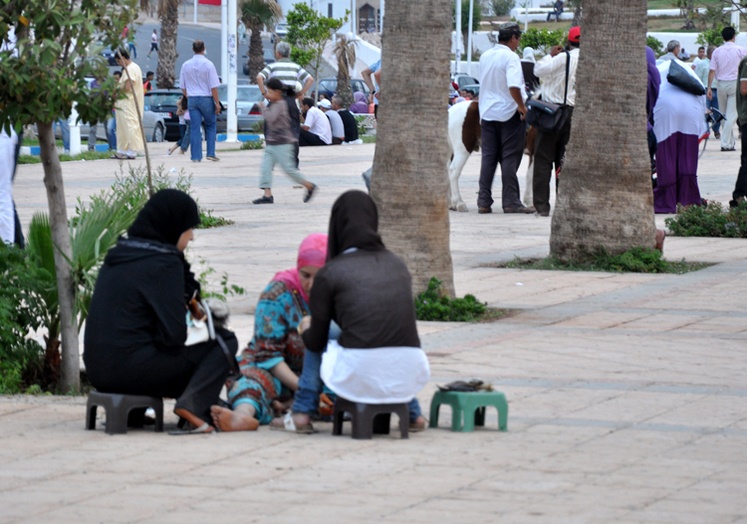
[(280, 143), (153, 43), (184, 126)]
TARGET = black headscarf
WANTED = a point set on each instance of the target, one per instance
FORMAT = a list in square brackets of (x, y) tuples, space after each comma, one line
[(164, 218), (354, 223)]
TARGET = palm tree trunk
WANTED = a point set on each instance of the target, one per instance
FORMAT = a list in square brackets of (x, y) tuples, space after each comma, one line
[(344, 90), (410, 182), (256, 53), (70, 369), (605, 198), (169, 12)]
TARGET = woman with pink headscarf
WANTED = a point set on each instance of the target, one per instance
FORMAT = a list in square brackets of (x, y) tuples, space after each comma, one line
[(272, 362)]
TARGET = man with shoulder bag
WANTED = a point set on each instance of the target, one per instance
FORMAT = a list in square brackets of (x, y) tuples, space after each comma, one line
[(557, 71)]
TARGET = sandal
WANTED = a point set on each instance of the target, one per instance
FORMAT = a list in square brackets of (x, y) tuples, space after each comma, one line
[(205, 428), (119, 156), (288, 424)]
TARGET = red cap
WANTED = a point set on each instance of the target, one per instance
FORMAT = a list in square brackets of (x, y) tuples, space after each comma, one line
[(574, 35)]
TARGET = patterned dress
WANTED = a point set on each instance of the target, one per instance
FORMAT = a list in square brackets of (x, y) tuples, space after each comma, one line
[(275, 340)]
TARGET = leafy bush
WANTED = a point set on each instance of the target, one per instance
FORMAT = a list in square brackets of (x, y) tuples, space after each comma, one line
[(253, 144), (21, 310), (656, 45), (224, 287), (709, 221), (360, 121), (433, 304), (502, 7), (711, 36), (541, 40)]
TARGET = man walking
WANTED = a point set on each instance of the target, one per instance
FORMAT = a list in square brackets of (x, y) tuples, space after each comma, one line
[(724, 65), (199, 83), (502, 112), (549, 146), (740, 188)]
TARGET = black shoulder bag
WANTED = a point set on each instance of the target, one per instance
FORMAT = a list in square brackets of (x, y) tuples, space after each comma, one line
[(546, 116)]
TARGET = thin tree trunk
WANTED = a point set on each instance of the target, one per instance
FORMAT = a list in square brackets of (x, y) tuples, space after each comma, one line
[(167, 55), (256, 53), (577, 15), (410, 181), (344, 91), (605, 198), (70, 369)]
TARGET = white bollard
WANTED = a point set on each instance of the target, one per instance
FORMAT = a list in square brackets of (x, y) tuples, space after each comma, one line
[(74, 132)]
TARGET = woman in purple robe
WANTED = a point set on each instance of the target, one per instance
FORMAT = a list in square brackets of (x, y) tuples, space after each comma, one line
[(679, 121)]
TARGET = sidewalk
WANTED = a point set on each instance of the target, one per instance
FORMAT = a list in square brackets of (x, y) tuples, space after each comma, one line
[(627, 393)]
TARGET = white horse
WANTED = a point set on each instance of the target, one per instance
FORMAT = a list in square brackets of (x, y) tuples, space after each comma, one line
[(464, 138)]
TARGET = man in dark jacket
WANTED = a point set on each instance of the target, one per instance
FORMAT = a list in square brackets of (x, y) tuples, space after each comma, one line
[(348, 120)]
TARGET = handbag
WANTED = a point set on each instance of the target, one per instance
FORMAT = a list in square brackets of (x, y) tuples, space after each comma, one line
[(546, 116), (678, 76), (200, 328)]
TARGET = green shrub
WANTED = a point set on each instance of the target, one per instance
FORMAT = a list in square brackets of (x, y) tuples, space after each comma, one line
[(656, 45), (253, 144), (709, 221), (711, 36), (502, 7), (21, 310), (433, 304), (360, 121), (541, 40)]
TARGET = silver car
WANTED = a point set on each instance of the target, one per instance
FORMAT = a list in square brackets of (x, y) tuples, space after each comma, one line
[(249, 103)]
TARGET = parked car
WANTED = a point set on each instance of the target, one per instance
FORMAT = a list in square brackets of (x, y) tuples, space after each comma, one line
[(163, 102), (464, 80), (475, 88), (249, 102), (328, 86), (269, 56), (281, 31), (109, 55), (153, 124)]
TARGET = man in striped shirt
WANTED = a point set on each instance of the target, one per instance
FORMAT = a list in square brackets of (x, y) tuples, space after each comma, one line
[(549, 147), (199, 82), (288, 72)]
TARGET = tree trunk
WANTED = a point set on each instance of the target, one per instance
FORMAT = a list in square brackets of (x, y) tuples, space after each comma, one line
[(70, 369), (410, 181), (167, 54), (605, 198), (577, 13), (256, 54), (344, 91)]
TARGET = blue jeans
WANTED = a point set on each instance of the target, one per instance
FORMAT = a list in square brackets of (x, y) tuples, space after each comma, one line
[(713, 103), (64, 131), (310, 383), (202, 108), (132, 50), (111, 133)]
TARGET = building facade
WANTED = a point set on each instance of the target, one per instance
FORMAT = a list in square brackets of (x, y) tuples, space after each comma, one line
[(367, 15)]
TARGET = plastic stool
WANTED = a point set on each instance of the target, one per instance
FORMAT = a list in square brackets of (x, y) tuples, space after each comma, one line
[(118, 407), (370, 418), (472, 405)]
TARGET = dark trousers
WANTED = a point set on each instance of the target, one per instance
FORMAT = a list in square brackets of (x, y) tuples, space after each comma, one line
[(549, 149), (193, 375), (307, 138), (740, 188), (502, 143)]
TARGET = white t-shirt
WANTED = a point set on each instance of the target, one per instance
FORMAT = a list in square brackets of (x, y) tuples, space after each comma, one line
[(500, 69), (319, 125), (154, 38), (7, 166), (338, 129)]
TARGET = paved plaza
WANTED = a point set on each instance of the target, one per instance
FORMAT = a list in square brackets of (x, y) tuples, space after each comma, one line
[(627, 392)]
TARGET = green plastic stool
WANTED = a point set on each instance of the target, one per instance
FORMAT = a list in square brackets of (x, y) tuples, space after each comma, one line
[(472, 404)]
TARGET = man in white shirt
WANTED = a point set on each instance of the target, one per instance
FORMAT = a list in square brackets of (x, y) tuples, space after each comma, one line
[(724, 65), (335, 122), (502, 112), (549, 147), (316, 129)]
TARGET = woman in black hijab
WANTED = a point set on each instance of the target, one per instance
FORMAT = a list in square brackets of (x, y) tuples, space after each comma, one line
[(136, 327), (367, 291)]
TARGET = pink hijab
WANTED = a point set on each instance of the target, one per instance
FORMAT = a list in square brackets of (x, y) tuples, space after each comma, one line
[(313, 252)]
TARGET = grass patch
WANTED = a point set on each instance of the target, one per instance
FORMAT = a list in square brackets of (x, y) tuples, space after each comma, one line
[(208, 221), (368, 139), (35, 142), (85, 155), (712, 220), (637, 260), (433, 304)]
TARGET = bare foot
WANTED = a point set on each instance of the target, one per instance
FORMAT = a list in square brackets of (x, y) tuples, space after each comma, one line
[(661, 235), (227, 420)]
